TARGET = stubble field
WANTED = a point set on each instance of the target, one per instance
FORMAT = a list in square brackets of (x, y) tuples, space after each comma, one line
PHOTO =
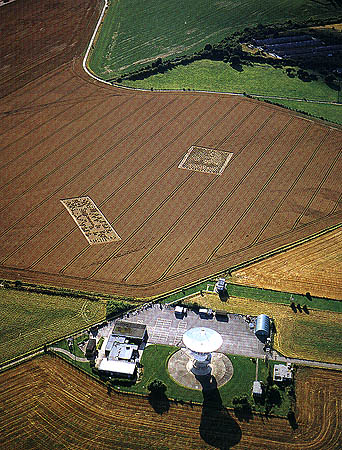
[(38, 36), (314, 266), (49, 405)]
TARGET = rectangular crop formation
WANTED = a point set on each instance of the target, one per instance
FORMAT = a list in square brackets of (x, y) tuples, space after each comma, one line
[(90, 220), (206, 160)]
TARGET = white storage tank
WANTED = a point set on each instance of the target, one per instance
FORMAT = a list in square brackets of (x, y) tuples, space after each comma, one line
[(262, 328)]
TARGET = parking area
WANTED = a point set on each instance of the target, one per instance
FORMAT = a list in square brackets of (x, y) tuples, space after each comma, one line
[(164, 327)]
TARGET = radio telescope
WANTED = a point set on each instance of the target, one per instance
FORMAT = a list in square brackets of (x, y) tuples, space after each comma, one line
[(201, 342)]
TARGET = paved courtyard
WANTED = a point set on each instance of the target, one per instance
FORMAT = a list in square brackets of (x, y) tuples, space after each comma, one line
[(164, 327)]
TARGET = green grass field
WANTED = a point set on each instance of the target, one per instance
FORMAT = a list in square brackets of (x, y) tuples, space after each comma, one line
[(28, 320), (134, 34), (260, 79), (316, 338)]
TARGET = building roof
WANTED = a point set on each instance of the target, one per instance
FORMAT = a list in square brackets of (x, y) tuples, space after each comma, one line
[(221, 312), (114, 340), (281, 372), (122, 351), (129, 329), (257, 388), (91, 345), (115, 366), (262, 325)]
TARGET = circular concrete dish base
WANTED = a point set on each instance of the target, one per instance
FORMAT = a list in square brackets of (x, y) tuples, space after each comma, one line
[(180, 369)]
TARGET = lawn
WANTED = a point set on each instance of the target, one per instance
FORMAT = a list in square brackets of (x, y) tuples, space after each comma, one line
[(133, 35), (154, 362), (313, 336), (28, 320)]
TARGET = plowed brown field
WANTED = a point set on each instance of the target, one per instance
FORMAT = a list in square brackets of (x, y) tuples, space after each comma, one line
[(65, 136), (49, 405), (37, 36), (315, 267)]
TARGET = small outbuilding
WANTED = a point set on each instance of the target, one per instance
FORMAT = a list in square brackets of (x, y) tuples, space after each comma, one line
[(180, 312), (282, 372), (205, 313), (221, 315), (262, 328), (117, 368), (257, 389), (221, 284), (91, 348), (133, 332)]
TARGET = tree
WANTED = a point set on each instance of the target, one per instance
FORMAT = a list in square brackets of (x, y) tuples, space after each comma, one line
[(157, 388), (157, 398), (242, 408), (235, 60)]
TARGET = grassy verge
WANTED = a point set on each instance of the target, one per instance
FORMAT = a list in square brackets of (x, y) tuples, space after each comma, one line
[(332, 113), (76, 350), (155, 359), (313, 336), (28, 320), (165, 28), (268, 295)]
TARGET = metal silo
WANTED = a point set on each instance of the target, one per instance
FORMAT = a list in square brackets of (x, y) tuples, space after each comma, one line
[(262, 328)]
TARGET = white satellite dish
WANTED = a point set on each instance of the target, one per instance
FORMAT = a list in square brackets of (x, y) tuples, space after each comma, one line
[(201, 342)]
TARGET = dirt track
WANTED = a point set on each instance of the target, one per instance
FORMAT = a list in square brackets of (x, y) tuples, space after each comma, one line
[(49, 406), (65, 136)]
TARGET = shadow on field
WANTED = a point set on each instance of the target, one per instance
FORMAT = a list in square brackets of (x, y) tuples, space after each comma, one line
[(217, 427), (160, 403)]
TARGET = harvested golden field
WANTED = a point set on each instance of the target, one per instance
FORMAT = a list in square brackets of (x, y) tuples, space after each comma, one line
[(315, 267), (314, 336), (50, 405)]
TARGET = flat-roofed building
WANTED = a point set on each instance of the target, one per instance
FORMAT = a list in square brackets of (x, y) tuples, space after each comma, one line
[(111, 340), (134, 332), (282, 372), (91, 348), (117, 368), (257, 388), (122, 351)]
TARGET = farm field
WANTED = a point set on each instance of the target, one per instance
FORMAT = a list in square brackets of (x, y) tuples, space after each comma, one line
[(314, 336), (314, 266), (38, 36), (129, 40), (29, 320), (65, 137), (49, 405)]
